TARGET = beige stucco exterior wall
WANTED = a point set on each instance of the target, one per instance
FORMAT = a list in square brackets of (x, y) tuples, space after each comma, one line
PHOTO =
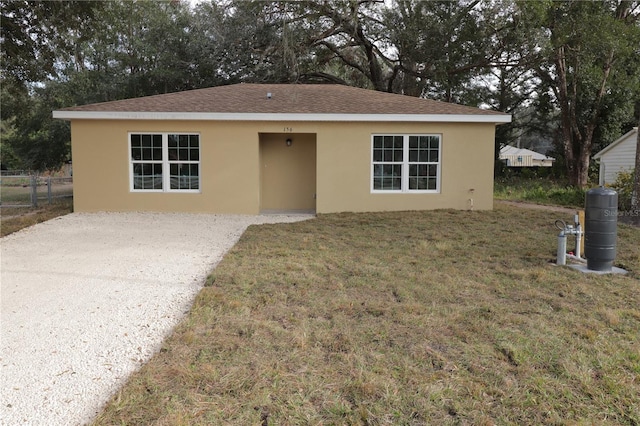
[(466, 158), (230, 166)]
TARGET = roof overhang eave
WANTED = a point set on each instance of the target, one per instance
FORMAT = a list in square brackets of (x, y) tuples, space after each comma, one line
[(208, 116)]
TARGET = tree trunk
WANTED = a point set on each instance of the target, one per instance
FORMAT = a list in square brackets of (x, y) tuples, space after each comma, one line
[(577, 151)]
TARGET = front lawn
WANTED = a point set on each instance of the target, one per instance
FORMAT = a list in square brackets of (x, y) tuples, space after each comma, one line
[(442, 317)]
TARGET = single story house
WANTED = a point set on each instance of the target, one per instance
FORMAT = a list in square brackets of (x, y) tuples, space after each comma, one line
[(619, 156), (520, 157), (256, 148)]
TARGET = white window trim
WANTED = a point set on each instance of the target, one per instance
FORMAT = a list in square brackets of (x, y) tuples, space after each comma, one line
[(405, 166), (166, 175)]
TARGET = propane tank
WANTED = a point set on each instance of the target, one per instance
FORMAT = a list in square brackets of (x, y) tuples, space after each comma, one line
[(601, 225)]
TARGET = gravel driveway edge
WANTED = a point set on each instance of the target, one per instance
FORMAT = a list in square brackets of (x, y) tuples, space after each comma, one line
[(88, 298)]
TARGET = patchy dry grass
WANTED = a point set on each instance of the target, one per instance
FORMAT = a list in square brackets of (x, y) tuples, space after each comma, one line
[(412, 318), (13, 219)]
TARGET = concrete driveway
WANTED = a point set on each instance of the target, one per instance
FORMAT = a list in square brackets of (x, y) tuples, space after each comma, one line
[(86, 299)]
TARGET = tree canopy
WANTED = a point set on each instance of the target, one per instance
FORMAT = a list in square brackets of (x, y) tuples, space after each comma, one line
[(567, 71)]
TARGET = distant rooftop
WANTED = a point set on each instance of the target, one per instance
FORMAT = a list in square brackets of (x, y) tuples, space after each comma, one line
[(511, 150)]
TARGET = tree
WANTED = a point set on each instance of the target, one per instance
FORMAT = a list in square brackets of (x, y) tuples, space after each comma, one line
[(35, 40), (59, 53), (36, 141), (34, 33), (586, 73), (442, 47)]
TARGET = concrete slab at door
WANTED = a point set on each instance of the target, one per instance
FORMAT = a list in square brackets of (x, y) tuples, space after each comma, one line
[(288, 172)]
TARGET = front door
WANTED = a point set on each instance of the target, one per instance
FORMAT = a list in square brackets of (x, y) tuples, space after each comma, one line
[(288, 172)]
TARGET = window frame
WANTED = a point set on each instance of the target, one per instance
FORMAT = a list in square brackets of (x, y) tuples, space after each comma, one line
[(165, 162), (405, 165)]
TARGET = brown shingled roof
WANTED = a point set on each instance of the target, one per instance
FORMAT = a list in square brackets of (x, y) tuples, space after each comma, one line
[(285, 99)]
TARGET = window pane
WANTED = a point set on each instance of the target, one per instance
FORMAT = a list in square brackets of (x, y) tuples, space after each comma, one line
[(423, 176), (434, 142), (433, 156), (392, 170), (183, 154), (388, 149), (398, 141), (184, 176), (194, 173), (146, 140), (377, 142), (173, 154), (157, 153), (157, 176), (136, 153), (432, 184), (147, 176), (387, 177), (413, 142), (183, 149), (147, 154), (413, 183)]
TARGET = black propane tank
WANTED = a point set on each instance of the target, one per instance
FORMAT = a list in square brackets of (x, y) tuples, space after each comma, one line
[(601, 224)]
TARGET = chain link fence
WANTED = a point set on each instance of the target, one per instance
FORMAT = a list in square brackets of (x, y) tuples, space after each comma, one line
[(25, 190)]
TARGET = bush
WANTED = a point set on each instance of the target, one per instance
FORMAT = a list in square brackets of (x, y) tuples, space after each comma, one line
[(624, 187), (543, 191)]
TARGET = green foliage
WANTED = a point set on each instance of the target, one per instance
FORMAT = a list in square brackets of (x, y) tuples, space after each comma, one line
[(593, 76), (33, 140), (38, 35), (623, 185), (8, 158), (539, 190), (436, 42)]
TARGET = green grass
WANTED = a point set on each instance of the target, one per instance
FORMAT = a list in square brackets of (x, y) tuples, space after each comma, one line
[(538, 190), (441, 317)]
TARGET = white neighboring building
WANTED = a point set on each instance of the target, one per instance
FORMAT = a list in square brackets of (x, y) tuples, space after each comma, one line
[(520, 157), (619, 156)]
